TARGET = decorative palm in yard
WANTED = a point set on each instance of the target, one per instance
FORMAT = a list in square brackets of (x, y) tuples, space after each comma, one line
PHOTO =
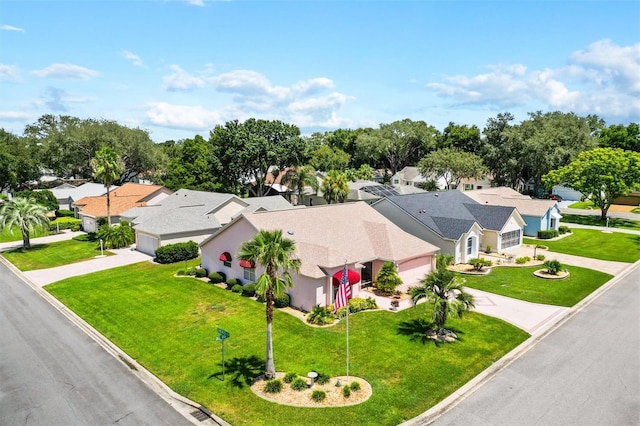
[(107, 167), (300, 178), (335, 187), (446, 292), (277, 256), (25, 214)]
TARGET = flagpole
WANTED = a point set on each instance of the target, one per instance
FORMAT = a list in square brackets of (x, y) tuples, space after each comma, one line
[(347, 342)]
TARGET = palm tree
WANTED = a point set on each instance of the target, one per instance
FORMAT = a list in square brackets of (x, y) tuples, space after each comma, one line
[(107, 167), (276, 255), (26, 214), (445, 290), (300, 178), (335, 187)]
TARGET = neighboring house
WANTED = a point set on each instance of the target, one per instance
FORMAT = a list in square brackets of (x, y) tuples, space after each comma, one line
[(126, 197), (367, 191), (327, 237), (455, 223), (566, 193), (473, 184), (410, 176), (539, 215), (67, 194), (191, 215)]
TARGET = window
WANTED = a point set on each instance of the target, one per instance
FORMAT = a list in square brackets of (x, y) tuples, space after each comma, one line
[(227, 263), (468, 186), (470, 246), (510, 239), (250, 274)]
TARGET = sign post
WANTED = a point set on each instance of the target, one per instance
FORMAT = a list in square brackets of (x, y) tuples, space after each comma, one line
[(222, 336)]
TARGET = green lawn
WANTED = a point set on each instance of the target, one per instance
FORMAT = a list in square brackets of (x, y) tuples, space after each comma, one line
[(586, 205), (596, 221), (42, 256), (595, 244), (169, 325), (14, 234), (520, 283)]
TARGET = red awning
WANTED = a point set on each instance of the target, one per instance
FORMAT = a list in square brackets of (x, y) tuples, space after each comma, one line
[(250, 264), (225, 257), (352, 276)]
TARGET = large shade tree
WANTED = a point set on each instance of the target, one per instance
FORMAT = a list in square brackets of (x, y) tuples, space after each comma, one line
[(277, 256), (452, 165), (601, 174), (107, 168), (446, 293), (26, 215)]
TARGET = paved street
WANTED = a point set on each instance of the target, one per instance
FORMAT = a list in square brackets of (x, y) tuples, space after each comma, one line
[(52, 373), (586, 372)]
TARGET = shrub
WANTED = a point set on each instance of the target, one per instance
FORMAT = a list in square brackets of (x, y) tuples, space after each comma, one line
[(249, 290), (117, 236), (387, 279), (233, 281), (172, 253), (289, 377), (355, 386), (318, 395), (540, 257), (260, 298), (181, 272), (65, 213), (90, 237), (322, 379), (522, 260), (547, 234), (215, 278), (237, 289), (201, 272), (488, 249), (273, 386), (479, 262), (553, 266), (346, 391), (282, 301), (563, 229), (65, 223), (320, 315), (191, 271), (357, 304), (299, 384)]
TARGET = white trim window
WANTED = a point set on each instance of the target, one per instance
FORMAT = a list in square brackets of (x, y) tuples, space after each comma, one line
[(469, 246), (510, 239), (250, 274)]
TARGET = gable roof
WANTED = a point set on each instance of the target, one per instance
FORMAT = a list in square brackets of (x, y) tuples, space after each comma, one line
[(87, 189), (504, 196), (327, 236), (121, 199), (451, 214)]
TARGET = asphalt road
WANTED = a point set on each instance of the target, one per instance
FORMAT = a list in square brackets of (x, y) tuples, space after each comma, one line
[(51, 373), (586, 372)]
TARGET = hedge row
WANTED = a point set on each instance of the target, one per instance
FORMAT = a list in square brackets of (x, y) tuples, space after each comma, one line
[(172, 253)]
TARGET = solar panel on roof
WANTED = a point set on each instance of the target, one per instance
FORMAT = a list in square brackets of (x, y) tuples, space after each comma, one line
[(380, 190)]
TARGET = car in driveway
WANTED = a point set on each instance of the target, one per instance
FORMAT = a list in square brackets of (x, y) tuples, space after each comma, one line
[(555, 197)]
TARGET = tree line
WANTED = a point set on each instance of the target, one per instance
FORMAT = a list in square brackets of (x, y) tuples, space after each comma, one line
[(238, 156)]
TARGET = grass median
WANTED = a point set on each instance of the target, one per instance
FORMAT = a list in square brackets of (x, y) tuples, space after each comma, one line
[(42, 256), (168, 324)]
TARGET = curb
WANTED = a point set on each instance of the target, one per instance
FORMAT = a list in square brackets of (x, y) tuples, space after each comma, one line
[(178, 402), (474, 384)]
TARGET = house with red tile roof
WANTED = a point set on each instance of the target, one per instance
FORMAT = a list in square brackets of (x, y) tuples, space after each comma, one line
[(129, 195), (327, 237)]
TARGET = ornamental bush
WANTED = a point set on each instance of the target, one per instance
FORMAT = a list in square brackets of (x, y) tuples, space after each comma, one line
[(289, 377), (387, 279), (563, 229), (273, 386), (178, 252), (215, 278), (201, 272), (547, 234), (282, 301), (479, 262), (320, 315), (553, 266), (522, 260), (233, 282), (355, 386), (237, 289), (318, 395), (249, 290), (322, 379), (346, 391), (540, 257), (299, 384), (357, 304)]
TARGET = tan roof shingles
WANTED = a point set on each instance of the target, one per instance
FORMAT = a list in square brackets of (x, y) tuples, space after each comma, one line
[(331, 234), (504, 196), (121, 199)]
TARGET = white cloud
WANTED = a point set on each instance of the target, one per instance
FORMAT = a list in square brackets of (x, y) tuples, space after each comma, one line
[(600, 79), (11, 28), (181, 80), (9, 73), (135, 59), (13, 116), (181, 116), (66, 71), (195, 2)]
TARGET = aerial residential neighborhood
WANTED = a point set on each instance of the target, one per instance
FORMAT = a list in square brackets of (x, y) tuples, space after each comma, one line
[(319, 213)]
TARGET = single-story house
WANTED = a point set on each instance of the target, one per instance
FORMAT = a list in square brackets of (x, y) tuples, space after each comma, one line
[(454, 222), (129, 195), (327, 237), (411, 176), (189, 215), (67, 193), (539, 215)]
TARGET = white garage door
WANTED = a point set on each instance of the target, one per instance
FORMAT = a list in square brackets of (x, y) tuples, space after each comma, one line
[(147, 244)]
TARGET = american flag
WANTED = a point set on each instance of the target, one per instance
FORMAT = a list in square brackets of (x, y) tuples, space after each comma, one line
[(344, 291)]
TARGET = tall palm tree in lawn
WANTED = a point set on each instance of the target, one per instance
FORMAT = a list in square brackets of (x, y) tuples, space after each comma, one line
[(107, 168), (277, 256), (25, 214), (335, 187), (299, 179), (447, 294)]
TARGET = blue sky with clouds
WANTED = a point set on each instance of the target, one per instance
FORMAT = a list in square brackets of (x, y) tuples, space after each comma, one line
[(179, 67)]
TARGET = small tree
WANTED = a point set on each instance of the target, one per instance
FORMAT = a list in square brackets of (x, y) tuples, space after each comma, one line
[(479, 262), (387, 279), (116, 236), (25, 214)]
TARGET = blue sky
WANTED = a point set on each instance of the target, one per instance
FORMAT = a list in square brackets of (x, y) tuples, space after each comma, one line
[(179, 67)]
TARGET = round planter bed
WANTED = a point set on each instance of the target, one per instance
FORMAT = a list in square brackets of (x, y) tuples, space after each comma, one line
[(542, 273)]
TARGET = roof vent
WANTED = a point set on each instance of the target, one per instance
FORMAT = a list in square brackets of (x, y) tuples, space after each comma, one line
[(290, 232), (436, 194)]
